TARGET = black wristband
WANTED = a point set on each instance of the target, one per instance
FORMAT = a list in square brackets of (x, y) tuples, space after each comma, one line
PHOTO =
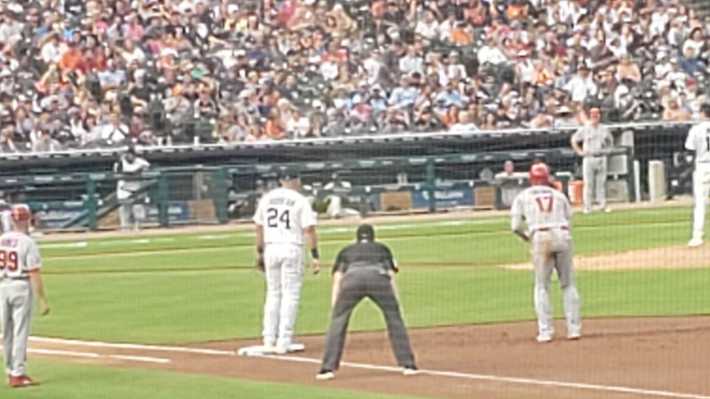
[(260, 250), (314, 253)]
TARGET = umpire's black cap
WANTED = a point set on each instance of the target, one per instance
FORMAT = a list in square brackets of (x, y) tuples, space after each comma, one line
[(365, 232)]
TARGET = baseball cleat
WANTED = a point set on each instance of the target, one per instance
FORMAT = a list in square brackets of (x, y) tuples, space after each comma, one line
[(411, 370), (296, 347), (574, 336), (325, 375), (290, 348), (21, 381), (544, 338), (695, 242)]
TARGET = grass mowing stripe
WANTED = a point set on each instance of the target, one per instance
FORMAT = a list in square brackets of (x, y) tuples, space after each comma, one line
[(177, 308)]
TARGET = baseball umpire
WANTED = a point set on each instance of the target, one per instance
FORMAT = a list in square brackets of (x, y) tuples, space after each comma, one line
[(365, 270), (20, 281), (547, 214)]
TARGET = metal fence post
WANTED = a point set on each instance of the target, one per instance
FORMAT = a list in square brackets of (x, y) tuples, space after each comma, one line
[(163, 200), (431, 183), (221, 195), (90, 203)]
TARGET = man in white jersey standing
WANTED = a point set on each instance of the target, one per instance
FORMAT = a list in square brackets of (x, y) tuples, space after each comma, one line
[(284, 222), (131, 166), (699, 141), (596, 143), (547, 214), (20, 281)]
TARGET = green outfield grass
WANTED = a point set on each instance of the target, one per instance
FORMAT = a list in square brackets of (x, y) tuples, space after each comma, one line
[(180, 288), (71, 381), (198, 287)]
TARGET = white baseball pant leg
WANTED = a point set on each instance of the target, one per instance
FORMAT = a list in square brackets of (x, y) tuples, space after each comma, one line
[(16, 309), (125, 213), (543, 265), (594, 170), (284, 279), (571, 300), (701, 189)]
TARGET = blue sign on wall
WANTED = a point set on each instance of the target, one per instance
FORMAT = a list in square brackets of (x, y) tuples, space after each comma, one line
[(443, 198)]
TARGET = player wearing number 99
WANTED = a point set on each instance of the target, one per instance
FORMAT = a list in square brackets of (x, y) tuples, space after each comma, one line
[(284, 220), (547, 213), (699, 141), (20, 280)]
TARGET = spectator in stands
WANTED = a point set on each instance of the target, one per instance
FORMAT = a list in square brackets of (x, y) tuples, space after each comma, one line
[(158, 64)]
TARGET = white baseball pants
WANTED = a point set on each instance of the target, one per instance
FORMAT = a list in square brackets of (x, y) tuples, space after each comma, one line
[(284, 279), (16, 311), (552, 250), (594, 174)]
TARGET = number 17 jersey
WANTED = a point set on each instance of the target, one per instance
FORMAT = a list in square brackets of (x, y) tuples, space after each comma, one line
[(541, 207), (699, 141), (284, 214)]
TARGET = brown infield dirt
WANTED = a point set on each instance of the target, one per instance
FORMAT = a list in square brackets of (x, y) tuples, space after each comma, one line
[(647, 355)]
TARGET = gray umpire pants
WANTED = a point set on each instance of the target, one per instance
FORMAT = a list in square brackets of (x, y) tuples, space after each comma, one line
[(594, 175), (356, 285), (16, 311)]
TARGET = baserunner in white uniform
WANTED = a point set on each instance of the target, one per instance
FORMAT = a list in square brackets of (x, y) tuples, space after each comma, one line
[(20, 280), (699, 141), (284, 221), (547, 214)]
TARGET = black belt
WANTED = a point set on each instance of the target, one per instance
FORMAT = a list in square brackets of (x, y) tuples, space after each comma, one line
[(552, 228), (14, 278)]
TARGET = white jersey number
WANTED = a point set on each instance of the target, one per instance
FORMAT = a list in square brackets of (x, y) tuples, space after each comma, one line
[(273, 219)]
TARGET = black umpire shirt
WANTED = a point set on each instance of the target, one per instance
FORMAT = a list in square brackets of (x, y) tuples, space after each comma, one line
[(365, 255)]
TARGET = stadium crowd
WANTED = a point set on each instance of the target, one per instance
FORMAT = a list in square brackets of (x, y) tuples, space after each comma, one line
[(85, 74)]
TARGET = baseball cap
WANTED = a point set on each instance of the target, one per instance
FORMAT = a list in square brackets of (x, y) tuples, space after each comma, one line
[(365, 232)]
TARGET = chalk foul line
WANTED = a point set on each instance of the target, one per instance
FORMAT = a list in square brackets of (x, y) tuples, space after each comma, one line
[(91, 355), (510, 380), (302, 359)]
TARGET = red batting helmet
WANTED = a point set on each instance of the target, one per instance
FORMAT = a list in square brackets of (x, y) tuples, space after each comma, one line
[(539, 174), (21, 213)]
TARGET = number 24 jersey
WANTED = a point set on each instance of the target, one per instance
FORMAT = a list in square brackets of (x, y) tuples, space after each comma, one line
[(284, 214)]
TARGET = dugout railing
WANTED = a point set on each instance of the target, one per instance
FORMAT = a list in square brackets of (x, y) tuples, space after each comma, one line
[(212, 195)]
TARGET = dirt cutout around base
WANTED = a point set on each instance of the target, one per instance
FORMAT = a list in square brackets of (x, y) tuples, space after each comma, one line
[(675, 257)]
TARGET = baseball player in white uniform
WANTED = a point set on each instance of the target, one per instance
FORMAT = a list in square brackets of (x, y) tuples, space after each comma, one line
[(284, 222), (130, 211), (699, 141), (547, 214), (20, 281), (596, 142)]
